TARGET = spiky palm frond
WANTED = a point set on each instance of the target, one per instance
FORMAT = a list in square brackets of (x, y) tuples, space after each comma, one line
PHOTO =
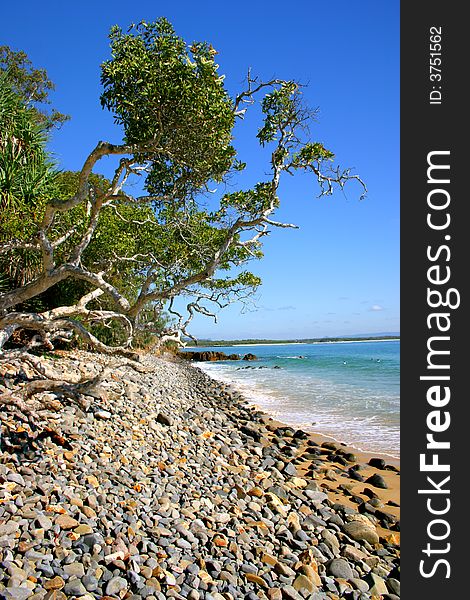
[(27, 179)]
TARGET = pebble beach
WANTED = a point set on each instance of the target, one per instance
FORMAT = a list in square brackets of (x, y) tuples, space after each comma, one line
[(169, 484)]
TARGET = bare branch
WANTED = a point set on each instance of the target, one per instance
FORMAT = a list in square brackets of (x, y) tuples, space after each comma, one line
[(283, 225), (86, 238), (47, 252), (254, 86), (17, 245), (46, 281), (63, 238)]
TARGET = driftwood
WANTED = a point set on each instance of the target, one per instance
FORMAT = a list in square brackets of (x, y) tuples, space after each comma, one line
[(45, 390)]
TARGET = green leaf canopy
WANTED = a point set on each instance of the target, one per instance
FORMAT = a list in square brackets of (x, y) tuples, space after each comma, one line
[(170, 97)]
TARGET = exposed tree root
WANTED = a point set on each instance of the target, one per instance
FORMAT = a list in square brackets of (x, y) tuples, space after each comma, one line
[(35, 387)]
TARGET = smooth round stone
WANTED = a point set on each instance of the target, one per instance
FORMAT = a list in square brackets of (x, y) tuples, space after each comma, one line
[(116, 585), (17, 593), (339, 567), (377, 481), (361, 532), (378, 463)]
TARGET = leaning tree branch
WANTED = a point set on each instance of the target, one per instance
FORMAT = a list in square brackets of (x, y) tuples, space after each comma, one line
[(254, 86), (18, 245)]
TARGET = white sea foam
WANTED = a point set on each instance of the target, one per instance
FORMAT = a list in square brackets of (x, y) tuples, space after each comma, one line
[(363, 419)]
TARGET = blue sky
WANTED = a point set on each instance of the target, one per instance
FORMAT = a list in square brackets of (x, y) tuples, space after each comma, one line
[(339, 273)]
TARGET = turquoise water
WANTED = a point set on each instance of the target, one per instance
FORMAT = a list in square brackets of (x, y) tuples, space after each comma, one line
[(347, 391)]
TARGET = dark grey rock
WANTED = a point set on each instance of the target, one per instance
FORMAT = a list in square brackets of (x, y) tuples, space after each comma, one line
[(290, 593), (377, 481), (90, 582), (378, 463), (393, 585), (290, 469), (164, 419), (74, 587)]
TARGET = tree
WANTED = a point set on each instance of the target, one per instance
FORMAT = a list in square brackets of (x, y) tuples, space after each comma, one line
[(30, 84), (178, 121), (118, 233)]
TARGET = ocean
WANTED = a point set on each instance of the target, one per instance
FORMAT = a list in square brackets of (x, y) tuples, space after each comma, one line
[(349, 391)]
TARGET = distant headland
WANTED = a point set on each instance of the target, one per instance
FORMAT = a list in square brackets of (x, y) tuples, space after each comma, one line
[(323, 340)]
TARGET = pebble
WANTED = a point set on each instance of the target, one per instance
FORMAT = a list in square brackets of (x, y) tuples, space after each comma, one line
[(55, 595), (360, 532), (116, 585), (66, 522), (302, 583), (90, 582), (9, 528), (376, 584), (74, 587), (103, 414), (16, 593), (290, 593), (352, 553), (330, 540), (339, 567), (377, 481), (174, 488), (74, 569), (44, 522), (56, 583), (378, 463)]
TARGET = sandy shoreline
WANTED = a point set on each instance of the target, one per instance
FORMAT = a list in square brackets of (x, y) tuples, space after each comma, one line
[(323, 437), (356, 488), (257, 396)]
